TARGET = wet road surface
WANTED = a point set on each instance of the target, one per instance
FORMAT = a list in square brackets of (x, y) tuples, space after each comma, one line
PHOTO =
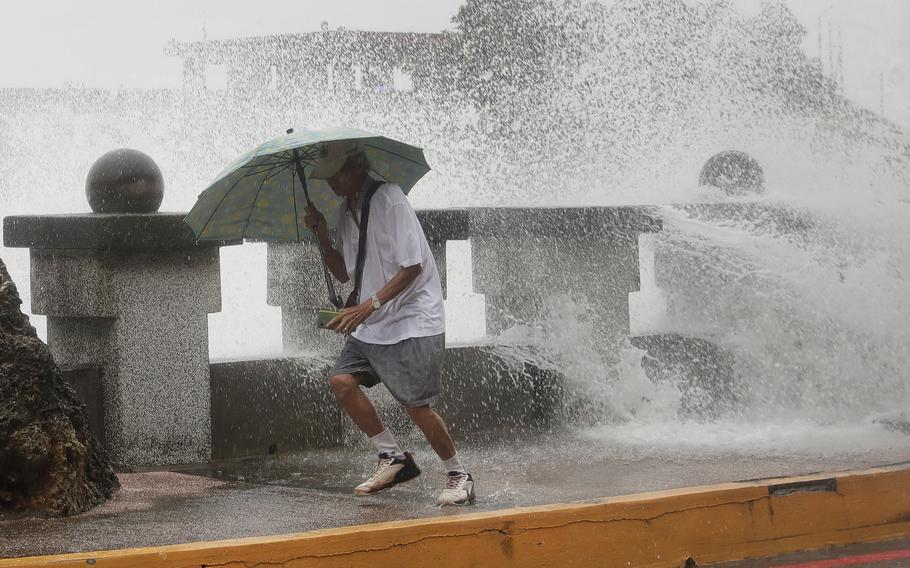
[(292, 493)]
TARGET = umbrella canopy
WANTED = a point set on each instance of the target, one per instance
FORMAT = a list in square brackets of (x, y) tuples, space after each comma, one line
[(261, 194)]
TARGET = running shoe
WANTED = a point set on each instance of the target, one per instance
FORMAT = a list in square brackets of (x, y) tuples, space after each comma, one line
[(390, 471), (459, 490)]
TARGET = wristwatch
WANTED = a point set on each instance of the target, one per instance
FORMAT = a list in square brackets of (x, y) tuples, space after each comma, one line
[(376, 303)]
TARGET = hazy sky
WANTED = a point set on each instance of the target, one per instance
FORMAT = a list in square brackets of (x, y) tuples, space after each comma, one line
[(120, 43)]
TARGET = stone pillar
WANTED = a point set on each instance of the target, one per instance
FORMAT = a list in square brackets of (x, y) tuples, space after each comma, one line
[(131, 294), (525, 259), (441, 226), (296, 282)]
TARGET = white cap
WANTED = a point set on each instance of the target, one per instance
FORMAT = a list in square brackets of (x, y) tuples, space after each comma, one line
[(332, 156)]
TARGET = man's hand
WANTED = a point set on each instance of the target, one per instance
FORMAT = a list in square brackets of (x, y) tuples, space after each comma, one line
[(350, 318), (334, 260), (314, 218)]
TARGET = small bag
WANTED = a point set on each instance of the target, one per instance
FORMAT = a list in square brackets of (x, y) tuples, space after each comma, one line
[(323, 317)]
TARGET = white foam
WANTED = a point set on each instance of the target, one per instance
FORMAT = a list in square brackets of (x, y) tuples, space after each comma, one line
[(673, 438)]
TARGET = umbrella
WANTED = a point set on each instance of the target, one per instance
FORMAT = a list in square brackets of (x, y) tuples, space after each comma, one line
[(264, 193)]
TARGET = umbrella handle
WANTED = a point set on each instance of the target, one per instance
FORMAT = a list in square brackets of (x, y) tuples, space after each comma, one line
[(333, 295)]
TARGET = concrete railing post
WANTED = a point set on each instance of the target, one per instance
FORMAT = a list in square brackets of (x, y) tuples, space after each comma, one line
[(697, 285), (524, 259), (130, 293)]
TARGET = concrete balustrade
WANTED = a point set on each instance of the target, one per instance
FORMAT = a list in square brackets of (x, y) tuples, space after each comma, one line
[(130, 294), (523, 259)]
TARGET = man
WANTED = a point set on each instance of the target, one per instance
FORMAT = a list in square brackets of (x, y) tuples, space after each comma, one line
[(397, 334)]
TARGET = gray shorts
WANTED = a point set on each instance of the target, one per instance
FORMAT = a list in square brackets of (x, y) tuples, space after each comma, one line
[(410, 369)]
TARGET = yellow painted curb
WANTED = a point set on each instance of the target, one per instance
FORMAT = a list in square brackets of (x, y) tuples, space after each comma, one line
[(661, 529)]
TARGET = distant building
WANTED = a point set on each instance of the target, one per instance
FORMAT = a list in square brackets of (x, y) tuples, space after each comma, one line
[(336, 61)]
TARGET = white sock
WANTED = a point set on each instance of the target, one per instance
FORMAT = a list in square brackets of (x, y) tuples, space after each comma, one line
[(453, 464), (385, 443)]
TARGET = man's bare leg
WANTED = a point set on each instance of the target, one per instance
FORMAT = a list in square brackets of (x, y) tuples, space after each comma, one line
[(434, 428), (394, 466), (356, 404), (459, 487)]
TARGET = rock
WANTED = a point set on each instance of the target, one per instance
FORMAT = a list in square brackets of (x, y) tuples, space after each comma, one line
[(12, 320), (50, 461)]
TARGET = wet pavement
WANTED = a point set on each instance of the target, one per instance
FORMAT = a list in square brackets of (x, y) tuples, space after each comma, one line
[(291, 493)]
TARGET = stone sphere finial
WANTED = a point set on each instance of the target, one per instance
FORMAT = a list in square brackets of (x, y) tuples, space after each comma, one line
[(736, 173), (124, 181)]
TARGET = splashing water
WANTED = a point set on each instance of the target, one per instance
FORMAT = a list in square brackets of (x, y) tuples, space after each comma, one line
[(810, 296)]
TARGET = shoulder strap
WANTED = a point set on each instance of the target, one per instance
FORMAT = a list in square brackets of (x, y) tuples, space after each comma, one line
[(354, 298)]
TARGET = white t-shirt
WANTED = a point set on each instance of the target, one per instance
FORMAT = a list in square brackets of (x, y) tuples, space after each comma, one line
[(395, 240)]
